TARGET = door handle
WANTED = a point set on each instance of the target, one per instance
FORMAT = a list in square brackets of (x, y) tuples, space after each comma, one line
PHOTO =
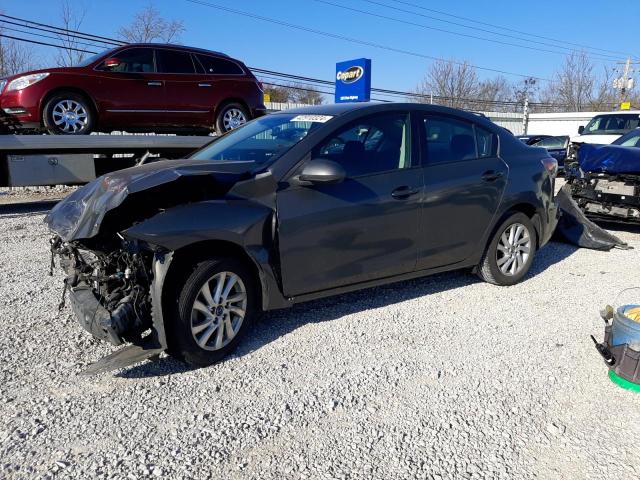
[(154, 83), (403, 192), (491, 175), (204, 84)]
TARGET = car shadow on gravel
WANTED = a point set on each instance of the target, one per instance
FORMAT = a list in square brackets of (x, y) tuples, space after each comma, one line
[(278, 323)]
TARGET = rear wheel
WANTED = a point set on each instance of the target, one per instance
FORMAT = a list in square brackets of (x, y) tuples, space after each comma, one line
[(215, 306), (510, 253), (230, 117), (68, 113)]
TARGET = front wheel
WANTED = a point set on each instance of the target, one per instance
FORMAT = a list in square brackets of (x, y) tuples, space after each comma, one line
[(214, 308), (510, 253), (68, 113), (230, 117)]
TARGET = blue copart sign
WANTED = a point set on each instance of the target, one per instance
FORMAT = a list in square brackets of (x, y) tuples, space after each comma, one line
[(353, 81)]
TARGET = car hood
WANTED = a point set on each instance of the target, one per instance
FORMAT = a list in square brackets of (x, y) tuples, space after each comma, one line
[(599, 139), (611, 159), (120, 199), (42, 70)]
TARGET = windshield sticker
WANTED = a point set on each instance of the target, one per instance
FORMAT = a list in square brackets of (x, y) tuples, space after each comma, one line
[(312, 118)]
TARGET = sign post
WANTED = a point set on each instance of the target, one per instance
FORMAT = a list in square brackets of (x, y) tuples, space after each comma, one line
[(353, 81)]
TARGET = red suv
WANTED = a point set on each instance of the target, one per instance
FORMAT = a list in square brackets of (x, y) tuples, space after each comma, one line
[(137, 87)]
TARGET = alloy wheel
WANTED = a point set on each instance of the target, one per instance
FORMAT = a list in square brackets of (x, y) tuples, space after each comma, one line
[(218, 311), (233, 118), (513, 250), (70, 116)]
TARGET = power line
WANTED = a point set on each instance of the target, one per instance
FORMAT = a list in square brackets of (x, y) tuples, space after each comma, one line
[(351, 39), (3, 35), (96, 37), (41, 35), (451, 32), (505, 28), (554, 45)]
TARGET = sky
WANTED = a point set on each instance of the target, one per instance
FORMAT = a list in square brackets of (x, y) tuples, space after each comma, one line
[(278, 47)]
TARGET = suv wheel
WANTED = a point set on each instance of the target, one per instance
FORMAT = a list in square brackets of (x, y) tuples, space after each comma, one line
[(510, 253), (68, 113), (215, 306), (231, 116)]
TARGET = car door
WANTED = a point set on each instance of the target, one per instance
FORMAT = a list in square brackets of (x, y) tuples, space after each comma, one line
[(362, 228), (186, 89), (464, 183), (130, 94)]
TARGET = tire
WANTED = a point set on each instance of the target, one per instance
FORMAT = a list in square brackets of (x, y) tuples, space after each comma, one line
[(188, 324), (502, 255), (230, 116), (81, 119)]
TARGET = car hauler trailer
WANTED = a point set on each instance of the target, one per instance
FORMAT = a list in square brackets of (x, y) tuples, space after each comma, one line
[(31, 160)]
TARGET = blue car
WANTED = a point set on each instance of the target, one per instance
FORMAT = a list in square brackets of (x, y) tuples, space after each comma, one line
[(605, 179)]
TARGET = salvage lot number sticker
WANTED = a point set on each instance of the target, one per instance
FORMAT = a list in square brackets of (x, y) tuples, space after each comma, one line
[(312, 118)]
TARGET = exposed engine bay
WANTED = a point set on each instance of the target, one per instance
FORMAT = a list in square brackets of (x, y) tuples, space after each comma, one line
[(111, 288)]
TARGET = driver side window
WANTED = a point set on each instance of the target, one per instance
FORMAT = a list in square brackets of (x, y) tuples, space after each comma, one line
[(134, 60), (374, 144)]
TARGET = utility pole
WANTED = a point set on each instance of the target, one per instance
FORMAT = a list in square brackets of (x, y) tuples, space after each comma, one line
[(625, 83)]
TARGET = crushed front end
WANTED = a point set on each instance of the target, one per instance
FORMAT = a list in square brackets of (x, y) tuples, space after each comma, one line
[(605, 182), (608, 197), (109, 288)]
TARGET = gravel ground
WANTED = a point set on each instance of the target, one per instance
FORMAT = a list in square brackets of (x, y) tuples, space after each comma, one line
[(443, 377)]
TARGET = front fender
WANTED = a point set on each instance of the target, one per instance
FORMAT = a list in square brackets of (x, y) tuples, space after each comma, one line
[(240, 222)]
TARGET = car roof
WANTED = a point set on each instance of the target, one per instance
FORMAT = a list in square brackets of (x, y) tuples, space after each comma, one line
[(177, 47), (336, 109)]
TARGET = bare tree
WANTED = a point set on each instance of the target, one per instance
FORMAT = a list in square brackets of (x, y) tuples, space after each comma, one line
[(72, 16), (572, 86), (493, 90), (149, 26), (15, 57), (604, 96), (305, 94), (294, 93), (277, 93), (455, 81)]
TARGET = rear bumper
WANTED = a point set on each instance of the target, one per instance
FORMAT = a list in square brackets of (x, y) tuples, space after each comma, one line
[(259, 111)]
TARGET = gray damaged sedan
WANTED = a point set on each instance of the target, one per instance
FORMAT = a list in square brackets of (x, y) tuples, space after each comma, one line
[(182, 255)]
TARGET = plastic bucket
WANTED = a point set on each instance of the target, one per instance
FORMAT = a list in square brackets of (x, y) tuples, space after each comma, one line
[(625, 328)]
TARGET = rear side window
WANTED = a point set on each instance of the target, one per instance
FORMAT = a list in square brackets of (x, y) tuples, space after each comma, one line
[(448, 140), (134, 60), (173, 61), (219, 66), (551, 142), (487, 143)]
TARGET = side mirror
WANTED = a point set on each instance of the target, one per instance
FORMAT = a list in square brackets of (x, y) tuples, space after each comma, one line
[(580, 129), (112, 62), (321, 171)]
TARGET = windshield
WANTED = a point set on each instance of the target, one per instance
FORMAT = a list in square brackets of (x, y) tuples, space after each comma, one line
[(631, 139), (612, 124), (89, 60), (263, 140)]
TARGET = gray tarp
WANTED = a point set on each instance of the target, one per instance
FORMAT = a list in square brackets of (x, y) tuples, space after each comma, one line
[(575, 228)]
